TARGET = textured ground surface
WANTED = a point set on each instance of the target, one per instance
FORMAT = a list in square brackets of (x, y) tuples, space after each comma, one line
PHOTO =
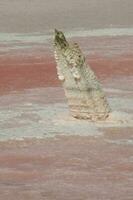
[(74, 168), (84, 161), (92, 161)]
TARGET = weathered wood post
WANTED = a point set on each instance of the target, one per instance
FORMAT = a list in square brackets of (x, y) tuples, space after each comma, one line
[(85, 96)]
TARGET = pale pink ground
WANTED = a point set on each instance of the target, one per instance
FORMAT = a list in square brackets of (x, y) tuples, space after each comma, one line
[(72, 167)]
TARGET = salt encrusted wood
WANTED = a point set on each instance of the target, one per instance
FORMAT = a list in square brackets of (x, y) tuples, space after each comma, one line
[(85, 96)]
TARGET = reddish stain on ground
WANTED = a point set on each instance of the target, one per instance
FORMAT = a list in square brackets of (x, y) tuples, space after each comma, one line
[(22, 74), (65, 168), (112, 67), (19, 69), (18, 75)]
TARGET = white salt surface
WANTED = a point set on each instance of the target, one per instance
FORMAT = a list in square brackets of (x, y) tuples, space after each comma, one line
[(27, 115), (43, 37)]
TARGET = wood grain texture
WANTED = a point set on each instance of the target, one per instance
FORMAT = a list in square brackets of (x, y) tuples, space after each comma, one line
[(85, 96)]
